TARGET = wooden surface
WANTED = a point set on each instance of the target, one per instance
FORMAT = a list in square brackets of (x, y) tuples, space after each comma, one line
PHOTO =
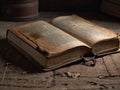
[(104, 75)]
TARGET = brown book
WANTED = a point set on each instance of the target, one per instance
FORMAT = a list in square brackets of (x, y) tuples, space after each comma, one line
[(111, 7), (69, 39)]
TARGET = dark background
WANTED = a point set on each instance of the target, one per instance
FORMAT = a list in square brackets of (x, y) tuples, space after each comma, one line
[(65, 5), (68, 5)]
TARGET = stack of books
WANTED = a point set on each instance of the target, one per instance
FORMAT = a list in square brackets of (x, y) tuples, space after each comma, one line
[(111, 7)]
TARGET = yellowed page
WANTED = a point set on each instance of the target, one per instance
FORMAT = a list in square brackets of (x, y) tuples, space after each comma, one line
[(49, 39), (86, 31)]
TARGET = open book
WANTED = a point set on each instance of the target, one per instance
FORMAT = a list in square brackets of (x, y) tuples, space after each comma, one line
[(66, 40)]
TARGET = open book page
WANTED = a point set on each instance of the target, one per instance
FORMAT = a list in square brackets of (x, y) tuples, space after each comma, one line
[(49, 39), (98, 38)]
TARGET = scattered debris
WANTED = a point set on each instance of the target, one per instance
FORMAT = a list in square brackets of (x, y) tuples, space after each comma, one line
[(73, 75), (69, 74), (90, 63), (93, 83), (101, 77), (63, 75)]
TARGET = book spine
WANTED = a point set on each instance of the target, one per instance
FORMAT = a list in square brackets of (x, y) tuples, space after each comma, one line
[(111, 8)]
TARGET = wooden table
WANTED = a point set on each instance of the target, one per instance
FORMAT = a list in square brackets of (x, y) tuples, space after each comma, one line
[(104, 75)]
